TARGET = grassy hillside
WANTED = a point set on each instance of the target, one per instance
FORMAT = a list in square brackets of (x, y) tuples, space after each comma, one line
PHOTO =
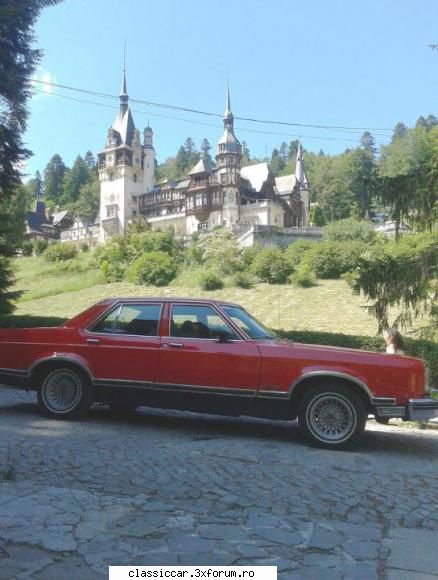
[(329, 306)]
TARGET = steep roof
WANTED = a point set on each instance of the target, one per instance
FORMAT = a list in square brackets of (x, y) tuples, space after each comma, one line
[(203, 166), (124, 125), (285, 184), (257, 175)]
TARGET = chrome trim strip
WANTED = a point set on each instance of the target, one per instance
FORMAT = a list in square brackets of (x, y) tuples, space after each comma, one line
[(218, 311), (119, 304), (273, 394), (335, 374), (58, 357), (383, 401), (114, 383), (14, 372), (226, 391)]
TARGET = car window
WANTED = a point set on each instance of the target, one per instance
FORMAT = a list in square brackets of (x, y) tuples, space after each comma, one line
[(253, 328), (193, 321), (133, 319)]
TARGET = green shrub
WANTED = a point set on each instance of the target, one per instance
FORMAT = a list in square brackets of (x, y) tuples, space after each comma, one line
[(85, 248), (220, 251), (211, 281), (303, 278), (349, 229), (114, 257), (331, 259), (295, 252), (58, 252), (317, 216), (27, 248), (270, 265), (249, 254), (152, 268), (39, 247), (243, 280)]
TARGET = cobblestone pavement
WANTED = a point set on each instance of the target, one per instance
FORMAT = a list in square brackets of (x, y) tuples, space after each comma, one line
[(177, 488)]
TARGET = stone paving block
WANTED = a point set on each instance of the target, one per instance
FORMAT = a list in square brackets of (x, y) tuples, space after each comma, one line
[(70, 567), (402, 575), (413, 550)]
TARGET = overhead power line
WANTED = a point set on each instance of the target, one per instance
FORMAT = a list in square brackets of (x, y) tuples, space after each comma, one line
[(207, 113), (196, 122)]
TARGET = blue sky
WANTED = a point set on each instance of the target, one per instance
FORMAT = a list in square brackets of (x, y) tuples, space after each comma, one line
[(340, 63)]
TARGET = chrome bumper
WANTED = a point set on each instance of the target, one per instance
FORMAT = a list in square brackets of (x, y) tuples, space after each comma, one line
[(420, 409), (414, 410)]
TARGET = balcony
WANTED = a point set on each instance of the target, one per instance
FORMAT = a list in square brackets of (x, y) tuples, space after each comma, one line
[(111, 225)]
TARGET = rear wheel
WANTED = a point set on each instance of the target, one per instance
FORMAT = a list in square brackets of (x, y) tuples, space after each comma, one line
[(332, 416), (65, 393)]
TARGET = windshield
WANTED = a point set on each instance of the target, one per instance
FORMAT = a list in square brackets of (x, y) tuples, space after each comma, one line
[(247, 323)]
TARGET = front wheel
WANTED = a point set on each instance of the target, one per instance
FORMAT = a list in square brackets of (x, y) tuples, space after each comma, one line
[(64, 393), (332, 416)]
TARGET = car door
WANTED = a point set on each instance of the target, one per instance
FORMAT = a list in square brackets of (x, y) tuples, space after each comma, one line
[(123, 345), (205, 363)]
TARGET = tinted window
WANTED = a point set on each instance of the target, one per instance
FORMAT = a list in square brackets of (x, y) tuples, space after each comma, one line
[(137, 319), (192, 321)]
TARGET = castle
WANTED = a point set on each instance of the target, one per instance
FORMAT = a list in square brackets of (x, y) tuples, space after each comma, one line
[(212, 194)]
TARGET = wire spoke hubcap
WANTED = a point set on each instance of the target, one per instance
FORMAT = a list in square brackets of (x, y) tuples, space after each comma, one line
[(331, 417), (62, 391)]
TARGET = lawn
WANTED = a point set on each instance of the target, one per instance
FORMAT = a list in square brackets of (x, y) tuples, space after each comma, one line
[(329, 306)]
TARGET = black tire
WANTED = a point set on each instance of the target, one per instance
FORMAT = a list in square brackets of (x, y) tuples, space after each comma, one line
[(332, 416), (65, 393)]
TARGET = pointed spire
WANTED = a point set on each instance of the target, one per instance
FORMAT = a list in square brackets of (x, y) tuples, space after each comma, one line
[(300, 172), (228, 115), (123, 91)]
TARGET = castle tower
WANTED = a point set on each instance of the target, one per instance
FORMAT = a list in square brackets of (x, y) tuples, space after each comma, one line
[(126, 170), (228, 163), (301, 177)]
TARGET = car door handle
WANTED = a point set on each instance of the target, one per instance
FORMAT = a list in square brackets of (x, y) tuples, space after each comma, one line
[(93, 340), (173, 344)]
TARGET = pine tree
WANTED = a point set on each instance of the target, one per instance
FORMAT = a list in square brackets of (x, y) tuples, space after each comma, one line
[(77, 177), (18, 61), (54, 179)]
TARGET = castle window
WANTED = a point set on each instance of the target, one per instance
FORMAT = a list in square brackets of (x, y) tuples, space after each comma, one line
[(223, 177), (135, 178), (134, 199), (110, 176), (111, 211)]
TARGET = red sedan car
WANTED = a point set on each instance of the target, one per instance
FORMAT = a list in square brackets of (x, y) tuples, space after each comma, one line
[(209, 356)]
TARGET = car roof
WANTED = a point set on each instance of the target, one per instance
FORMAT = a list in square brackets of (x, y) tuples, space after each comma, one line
[(134, 299)]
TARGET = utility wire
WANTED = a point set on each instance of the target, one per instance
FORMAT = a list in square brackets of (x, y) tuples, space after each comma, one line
[(241, 129), (206, 113)]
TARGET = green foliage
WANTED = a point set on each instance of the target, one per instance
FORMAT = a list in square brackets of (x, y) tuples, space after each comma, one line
[(54, 179), (85, 248), (58, 252), (27, 248), (220, 251), (270, 265), (243, 280), (152, 268), (40, 246), (403, 274), (349, 229), (76, 178), (248, 255), (331, 259), (114, 257), (211, 281), (408, 169), (303, 278), (295, 252), (317, 217)]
